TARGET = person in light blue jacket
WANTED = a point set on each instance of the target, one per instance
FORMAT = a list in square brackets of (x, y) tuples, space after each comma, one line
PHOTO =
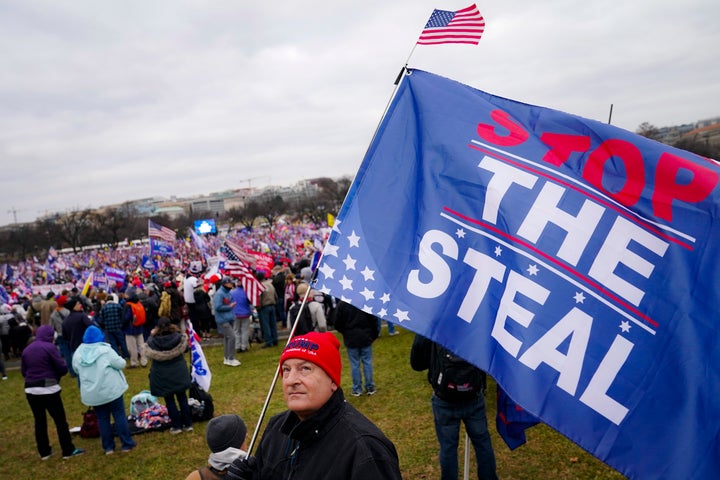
[(223, 305), (102, 384)]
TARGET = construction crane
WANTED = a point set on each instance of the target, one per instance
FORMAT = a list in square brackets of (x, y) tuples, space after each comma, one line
[(14, 211), (249, 180)]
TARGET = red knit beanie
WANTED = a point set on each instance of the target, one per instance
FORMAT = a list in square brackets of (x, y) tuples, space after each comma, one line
[(322, 349)]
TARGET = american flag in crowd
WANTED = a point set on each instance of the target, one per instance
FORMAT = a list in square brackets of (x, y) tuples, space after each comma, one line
[(236, 267), (240, 253), (464, 26), (155, 230)]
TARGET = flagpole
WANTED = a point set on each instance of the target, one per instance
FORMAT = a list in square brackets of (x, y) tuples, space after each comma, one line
[(466, 475)]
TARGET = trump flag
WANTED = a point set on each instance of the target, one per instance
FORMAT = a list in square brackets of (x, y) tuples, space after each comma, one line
[(572, 260)]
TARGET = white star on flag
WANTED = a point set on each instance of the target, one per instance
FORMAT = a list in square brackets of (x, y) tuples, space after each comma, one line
[(330, 250), (401, 315), (368, 274), (368, 294), (346, 283), (349, 262), (336, 226), (354, 239), (327, 270)]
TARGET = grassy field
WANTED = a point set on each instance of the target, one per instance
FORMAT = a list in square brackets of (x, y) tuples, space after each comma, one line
[(401, 409)]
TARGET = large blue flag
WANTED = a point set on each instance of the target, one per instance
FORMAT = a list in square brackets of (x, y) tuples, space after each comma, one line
[(572, 260)]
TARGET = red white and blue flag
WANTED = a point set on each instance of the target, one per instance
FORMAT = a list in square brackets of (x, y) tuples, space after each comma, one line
[(572, 260), (155, 230), (235, 267), (444, 26), (161, 239)]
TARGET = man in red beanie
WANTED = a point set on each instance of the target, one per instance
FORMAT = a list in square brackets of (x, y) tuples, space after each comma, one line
[(320, 436)]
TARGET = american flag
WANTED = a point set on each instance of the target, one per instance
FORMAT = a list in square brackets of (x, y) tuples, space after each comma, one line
[(155, 230), (236, 267), (464, 26), (241, 255)]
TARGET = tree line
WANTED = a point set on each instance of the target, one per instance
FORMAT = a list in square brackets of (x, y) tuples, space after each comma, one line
[(109, 227)]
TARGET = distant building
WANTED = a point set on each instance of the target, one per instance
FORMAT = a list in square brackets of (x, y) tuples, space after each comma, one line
[(707, 134), (707, 130)]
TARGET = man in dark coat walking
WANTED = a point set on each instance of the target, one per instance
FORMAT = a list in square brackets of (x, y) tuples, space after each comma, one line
[(359, 330)]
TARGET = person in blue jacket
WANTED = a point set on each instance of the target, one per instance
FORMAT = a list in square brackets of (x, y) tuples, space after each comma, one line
[(223, 305), (102, 384)]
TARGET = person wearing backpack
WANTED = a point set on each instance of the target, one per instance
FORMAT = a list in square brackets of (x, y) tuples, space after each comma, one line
[(458, 395), (314, 305), (134, 317), (302, 316)]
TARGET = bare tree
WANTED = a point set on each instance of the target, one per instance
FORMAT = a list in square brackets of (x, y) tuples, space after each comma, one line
[(74, 227), (311, 209), (332, 193), (19, 242), (648, 130), (113, 225), (246, 215), (271, 208)]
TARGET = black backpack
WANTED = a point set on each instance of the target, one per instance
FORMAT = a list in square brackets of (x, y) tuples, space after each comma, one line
[(452, 378), (205, 408), (305, 322)]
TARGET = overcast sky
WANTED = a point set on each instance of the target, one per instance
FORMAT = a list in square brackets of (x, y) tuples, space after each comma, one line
[(107, 101)]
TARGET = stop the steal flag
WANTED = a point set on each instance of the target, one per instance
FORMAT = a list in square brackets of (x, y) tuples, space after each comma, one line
[(574, 261)]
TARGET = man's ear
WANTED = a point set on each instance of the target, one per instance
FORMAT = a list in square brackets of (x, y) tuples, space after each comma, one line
[(333, 386)]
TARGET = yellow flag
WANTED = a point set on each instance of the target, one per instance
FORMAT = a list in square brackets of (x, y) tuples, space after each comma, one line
[(88, 284), (331, 220)]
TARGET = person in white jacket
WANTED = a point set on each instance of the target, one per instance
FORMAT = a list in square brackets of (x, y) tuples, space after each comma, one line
[(102, 384)]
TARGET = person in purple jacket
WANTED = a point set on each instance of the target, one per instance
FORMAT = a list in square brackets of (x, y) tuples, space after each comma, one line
[(42, 366)]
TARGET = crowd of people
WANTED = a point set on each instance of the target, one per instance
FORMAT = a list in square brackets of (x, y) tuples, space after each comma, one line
[(94, 333)]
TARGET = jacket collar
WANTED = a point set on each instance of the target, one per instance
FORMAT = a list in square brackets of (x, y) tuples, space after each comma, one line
[(314, 426)]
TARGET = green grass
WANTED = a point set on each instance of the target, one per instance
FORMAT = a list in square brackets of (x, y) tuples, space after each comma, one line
[(401, 408)]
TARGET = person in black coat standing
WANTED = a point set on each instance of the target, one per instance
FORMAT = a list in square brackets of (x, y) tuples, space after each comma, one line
[(169, 374), (74, 326), (359, 330)]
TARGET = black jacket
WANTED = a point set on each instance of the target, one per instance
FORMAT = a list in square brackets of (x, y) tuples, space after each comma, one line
[(359, 329), (169, 372), (338, 442)]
